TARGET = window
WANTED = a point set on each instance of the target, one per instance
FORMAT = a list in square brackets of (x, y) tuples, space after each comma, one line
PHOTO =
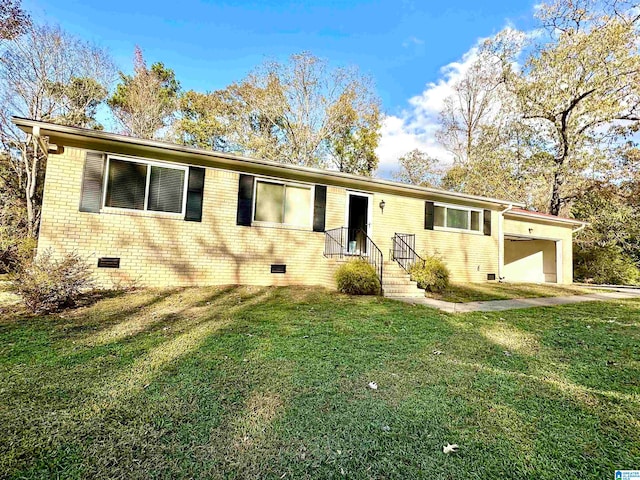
[(456, 218), (282, 203), (139, 185)]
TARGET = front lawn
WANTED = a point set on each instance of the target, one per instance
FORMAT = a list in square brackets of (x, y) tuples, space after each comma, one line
[(479, 292), (272, 383)]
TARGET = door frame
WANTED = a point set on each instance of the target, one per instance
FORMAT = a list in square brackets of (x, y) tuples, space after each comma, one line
[(369, 197)]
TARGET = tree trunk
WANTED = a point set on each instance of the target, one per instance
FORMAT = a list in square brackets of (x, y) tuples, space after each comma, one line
[(31, 173), (556, 201)]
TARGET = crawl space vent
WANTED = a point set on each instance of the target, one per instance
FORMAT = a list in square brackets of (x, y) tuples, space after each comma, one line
[(109, 262), (278, 268), (491, 276)]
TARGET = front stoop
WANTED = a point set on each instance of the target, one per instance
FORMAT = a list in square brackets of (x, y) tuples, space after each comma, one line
[(397, 284)]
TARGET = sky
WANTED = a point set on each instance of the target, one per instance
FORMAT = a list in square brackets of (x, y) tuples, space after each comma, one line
[(413, 50)]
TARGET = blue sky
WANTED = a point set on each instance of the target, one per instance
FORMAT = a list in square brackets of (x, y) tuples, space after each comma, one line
[(403, 44)]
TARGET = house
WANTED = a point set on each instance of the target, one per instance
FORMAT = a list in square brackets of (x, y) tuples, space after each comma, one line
[(159, 214)]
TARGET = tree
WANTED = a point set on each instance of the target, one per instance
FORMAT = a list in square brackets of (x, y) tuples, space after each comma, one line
[(478, 100), (608, 251), (580, 89), (13, 19), (145, 103), (301, 112), (201, 121), (417, 168), (45, 74)]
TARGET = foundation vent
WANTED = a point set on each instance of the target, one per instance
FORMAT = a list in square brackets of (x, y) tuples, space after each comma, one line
[(278, 268), (109, 262)]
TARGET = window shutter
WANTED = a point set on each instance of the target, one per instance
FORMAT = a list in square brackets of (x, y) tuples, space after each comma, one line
[(245, 200), (92, 181), (428, 215), (487, 222), (319, 208), (195, 190)]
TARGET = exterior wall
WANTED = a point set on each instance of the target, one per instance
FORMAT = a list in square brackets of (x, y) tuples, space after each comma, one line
[(469, 256), (157, 251), (530, 261), (538, 230)]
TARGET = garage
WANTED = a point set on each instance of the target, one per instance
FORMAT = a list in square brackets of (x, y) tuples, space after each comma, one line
[(531, 260)]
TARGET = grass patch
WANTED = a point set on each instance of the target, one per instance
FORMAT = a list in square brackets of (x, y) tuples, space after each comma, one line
[(478, 292), (243, 382)]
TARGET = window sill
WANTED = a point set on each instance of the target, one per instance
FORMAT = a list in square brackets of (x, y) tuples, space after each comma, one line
[(281, 226), (457, 230), (141, 213)]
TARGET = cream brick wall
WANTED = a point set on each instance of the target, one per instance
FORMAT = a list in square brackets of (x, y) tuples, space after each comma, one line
[(469, 256), (157, 250), (540, 230)]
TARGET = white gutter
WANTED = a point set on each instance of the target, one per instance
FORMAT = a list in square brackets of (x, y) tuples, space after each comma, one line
[(501, 241), (580, 228), (41, 143), (549, 218)]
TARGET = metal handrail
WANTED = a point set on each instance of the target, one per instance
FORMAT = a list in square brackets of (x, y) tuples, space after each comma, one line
[(345, 242), (403, 250)]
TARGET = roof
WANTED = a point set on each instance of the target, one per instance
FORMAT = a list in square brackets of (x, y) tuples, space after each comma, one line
[(521, 212), (116, 143)]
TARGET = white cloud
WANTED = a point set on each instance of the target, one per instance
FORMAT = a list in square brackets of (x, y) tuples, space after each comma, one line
[(415, 126)]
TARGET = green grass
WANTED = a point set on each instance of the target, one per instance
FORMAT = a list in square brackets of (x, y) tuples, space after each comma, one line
[(476, 292), (272, 383)]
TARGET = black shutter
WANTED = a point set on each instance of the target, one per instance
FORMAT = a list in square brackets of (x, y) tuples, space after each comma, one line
[(92, 181), (487, 222), (195, 191), (319, 208), (245, 200), (428, 215)]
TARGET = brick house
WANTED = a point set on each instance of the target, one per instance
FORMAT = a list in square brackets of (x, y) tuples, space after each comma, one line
[(158, 214)]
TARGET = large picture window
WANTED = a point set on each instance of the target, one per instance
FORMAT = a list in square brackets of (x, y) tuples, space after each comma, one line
[(138, 185), (283, 203), (456, 218)]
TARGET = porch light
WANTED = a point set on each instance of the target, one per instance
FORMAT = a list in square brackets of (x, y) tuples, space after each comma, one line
[(382, 204)]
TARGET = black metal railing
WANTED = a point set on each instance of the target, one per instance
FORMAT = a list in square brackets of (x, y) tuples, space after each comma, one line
[(403, 251), (353, 242)]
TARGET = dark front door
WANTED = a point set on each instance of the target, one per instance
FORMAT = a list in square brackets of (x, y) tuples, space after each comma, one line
[(358, 223)]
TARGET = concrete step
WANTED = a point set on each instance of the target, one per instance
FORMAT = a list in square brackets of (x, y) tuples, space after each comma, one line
[(393, 290), (398, 281)]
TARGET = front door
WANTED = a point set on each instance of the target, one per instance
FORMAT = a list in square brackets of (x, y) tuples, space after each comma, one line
[(358, 223)]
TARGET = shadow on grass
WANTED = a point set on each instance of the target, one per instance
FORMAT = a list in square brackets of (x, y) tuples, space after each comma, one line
[(240, 382)]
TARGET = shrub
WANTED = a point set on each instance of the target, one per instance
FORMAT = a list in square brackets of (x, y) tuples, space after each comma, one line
[(357, 277), (47, 285), (432, 274), (609, 265)]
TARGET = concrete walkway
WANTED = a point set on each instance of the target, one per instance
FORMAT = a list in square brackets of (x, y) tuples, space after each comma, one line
[(500, 305)]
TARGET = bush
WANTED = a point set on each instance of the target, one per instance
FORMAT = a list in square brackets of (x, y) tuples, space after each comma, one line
[(432, 274), (15, 252), (609, 265), (47, 285), (357, 277)]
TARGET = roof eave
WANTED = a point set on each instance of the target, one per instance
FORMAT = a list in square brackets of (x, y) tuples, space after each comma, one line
[(545, 218), (63, 131)]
